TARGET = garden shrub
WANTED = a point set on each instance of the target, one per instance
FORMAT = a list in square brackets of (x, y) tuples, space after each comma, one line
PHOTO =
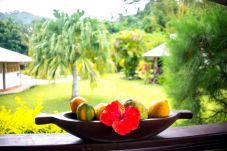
[(129, 47), (22, 121), (145, 71)]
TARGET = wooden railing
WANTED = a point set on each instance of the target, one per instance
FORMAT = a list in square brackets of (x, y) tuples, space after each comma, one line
[(223, 2), (198, 137)]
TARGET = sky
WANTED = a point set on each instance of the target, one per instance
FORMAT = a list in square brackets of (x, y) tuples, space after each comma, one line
[(101, 9)]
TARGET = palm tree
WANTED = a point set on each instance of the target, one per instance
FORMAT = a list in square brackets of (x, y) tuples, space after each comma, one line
[(70, 43)]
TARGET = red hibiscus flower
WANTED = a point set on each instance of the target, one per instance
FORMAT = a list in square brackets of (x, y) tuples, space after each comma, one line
[(113, 111), (122, 120)]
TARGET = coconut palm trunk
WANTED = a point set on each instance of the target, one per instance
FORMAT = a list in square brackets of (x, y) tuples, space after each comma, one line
[(74, 83)]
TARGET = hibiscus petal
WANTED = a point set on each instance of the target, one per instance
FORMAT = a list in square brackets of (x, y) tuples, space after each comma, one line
[(107, 118), (133, 115), (113, 111), (121, 127), (129, 122)]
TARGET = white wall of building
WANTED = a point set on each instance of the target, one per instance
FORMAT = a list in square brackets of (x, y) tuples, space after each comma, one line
[(12, 79)]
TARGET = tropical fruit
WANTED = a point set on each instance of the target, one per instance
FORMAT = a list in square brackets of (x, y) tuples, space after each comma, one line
[(75, 102), (159, 108), (85, 112), (142, 109), (98, 109)]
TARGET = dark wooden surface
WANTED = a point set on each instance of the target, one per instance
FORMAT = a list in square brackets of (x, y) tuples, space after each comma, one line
[(198, 137), (223, 2)]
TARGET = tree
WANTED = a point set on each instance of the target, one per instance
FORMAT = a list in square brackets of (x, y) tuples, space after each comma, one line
[(11, 36), (70, 43), (129, 46), (154, 17), (156, 14), (196, 70)]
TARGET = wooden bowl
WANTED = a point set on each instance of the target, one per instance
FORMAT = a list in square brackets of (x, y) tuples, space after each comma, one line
[(97, 131)]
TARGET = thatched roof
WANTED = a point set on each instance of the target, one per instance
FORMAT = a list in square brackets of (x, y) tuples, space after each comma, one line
[(158, 51), (11, 56)]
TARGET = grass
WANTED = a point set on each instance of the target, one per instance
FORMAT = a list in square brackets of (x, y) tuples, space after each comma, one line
[(55, 97)]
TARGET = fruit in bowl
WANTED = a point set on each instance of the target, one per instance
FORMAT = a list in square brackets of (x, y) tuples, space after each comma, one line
[(99, 109), (85, 112), (75, 102), (142, 109), (123, 118), (159, 109), (115, 122)]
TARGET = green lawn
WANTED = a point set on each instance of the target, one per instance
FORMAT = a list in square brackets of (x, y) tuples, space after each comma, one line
[(55, 97)]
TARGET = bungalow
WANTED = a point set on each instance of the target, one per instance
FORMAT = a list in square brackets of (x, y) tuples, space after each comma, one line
[(155, 54), (10, 68)]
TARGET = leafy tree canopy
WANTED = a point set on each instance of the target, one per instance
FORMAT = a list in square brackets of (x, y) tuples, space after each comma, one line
[(155, 17), (11, 36), (70, 44)]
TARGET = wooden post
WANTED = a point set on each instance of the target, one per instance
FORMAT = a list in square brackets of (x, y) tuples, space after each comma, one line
[(3, 75), (155, 70), (19, 71)]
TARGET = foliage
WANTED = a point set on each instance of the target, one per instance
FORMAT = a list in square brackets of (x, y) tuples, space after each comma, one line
[(22, 120), (112, 27), (157, 14), (115, 26), (145, 71), (154, 17), (196, 70), (11, 36), (123, 23), (130, 22), (154, 39), (70, 43), (129, 46)]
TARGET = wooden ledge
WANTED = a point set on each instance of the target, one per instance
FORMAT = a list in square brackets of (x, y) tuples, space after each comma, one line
[(223, 2), (198, 137)]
